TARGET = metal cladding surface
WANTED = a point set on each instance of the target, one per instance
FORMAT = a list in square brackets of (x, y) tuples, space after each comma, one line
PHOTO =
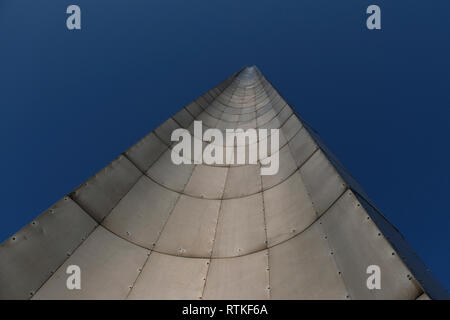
[(146, 228)]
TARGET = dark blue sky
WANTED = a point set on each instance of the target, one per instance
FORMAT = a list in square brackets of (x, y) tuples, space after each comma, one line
[(71, 101)]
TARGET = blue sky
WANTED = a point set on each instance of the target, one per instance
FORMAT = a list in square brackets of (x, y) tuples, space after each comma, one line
[(71, 101)]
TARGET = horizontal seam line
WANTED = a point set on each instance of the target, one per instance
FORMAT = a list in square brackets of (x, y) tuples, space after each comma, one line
[(231, 257)]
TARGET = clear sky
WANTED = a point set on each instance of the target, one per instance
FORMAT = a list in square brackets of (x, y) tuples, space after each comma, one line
[(71, 101)]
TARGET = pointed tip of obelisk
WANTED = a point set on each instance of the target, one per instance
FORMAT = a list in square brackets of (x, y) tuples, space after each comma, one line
[(248, 73)]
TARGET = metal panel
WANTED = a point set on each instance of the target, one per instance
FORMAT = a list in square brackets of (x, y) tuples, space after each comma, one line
[(169, 277), (251, 124), (247, 117), (232, 110), (303, 268), (144, 153), (207, 182), (288, 210), (302, 147), (99, 195), (207, 119), (357, 243), (261, 103), (201, 101), (279, 104), (286, 168), (207, 96), (272, 124), (268, 141), (291, 127), (164, 131), (245, 277), (223, 125), (168, 174), (214, 92), (246, 109), (266, 117), (30, 257), (322, 181), (109, 266), (190, 228), (194, 109), (242, 181), (241, 227), (217, 105), (236, 153), (262, 100), (183, 117), (142, 213), (230, 117), (264, 109), (285, 113), (214, 112)]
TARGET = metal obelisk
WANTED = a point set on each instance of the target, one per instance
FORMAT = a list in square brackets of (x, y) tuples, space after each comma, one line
[(146, 228)]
